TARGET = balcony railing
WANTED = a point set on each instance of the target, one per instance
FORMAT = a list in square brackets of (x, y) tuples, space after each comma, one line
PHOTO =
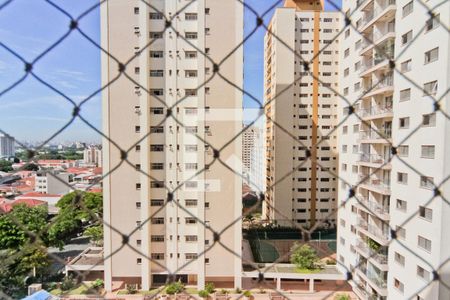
[(373, 135), (374, 111), (373, 158), (373, 206), (374, 14), (378, 257), (378, 232), (375, 183)]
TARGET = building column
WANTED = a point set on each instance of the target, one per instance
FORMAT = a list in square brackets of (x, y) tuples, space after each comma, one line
[(311, 285), (279, 284)]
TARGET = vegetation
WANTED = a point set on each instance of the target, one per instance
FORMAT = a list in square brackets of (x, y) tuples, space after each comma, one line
[(210, 288), (131, 289), (247, 293), (175, 288), (304, 257), (5, 166), (342, 297), (95, 234), (373, 245), (238, 291), (204, 294)]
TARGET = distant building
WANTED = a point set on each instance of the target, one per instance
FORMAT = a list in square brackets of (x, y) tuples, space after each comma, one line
[(93, 155), (53, 182), (6, 146), (252, 158)]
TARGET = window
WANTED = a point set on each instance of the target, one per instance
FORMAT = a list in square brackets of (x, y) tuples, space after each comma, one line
[(157, 238), (190, 16), (156, 35), (157, 221), (156, 73), (156, 202), (432, 23), (347, 52), (191, 221), (156, 16), (156, 129), (403, 123), (400, 259), (190, 255), (157, 54), (400, 232), (403, 151), (136, 10), (191, 129), (156, 148), (427, 151), (138, 186), (157, 256), (406, 66), (426, 182), (191, 35), (190, 92), (431, 55), (346, 91), (138, 205), (157, 92), (190, 73), (429, 120), (401, 205), (355, 128), (191, 184), (190, 54), (407, 9), (424, 243), (407, 37), (399, 285), (191, 202), (405, 95), (354, 169), (422, 273), (190, 148), (139, 261), (430, 88), (426, 213), (190, 166), (402, 178), (190, 238), (137, 129), (156, 184)]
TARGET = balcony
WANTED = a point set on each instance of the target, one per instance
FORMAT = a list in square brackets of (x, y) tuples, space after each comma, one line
[(376, 39), (375, 137), (373, 231), (374, 161), (375, 185), (380, 260), (385, 85), (375, 279), (384, 11), (373, 207), (375, 112)]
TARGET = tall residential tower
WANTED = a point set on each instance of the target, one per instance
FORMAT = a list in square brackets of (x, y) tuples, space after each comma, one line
[(301, 112), (171, 167), (394, 233)]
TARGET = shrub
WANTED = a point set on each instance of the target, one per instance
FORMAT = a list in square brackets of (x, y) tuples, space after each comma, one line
[(262, 291), (342, 297), (97, 284), (204, 294), (175, 288), (210, 288), (131, 289), (238, 291), (247, 293), (304, 257), (68, 283), (223, 291), (330, 262)]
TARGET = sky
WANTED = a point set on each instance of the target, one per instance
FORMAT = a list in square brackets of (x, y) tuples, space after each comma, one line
[(33, 112)]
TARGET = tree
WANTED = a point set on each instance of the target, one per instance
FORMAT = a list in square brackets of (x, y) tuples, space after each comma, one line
[(5, 166), (95, 234), (304, 257), (31, 167), (19, 226), (75, 209)]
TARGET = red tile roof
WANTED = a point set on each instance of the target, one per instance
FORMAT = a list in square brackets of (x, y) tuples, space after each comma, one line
[(7, 207), (36, 194)]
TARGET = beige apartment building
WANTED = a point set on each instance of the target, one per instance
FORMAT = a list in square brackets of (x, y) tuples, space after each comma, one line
[(171, 167), (301, 112), (394, 234)]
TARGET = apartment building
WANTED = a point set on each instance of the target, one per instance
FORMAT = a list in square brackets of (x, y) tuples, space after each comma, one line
[(92, 155), (253, 158), (301, 115), (391, 236), (7, 148), (172, 197)]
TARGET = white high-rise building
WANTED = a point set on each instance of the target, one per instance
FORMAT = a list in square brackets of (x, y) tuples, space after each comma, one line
[(253, 158), (7, 144), (391, 235), (93, 155), (172, 167), (301, 110)]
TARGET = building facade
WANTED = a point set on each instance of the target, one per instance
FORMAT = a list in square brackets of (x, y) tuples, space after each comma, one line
[(92, 155), (175, 192), (391, 236), (7, 146), (253, 158), (301, 112)]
